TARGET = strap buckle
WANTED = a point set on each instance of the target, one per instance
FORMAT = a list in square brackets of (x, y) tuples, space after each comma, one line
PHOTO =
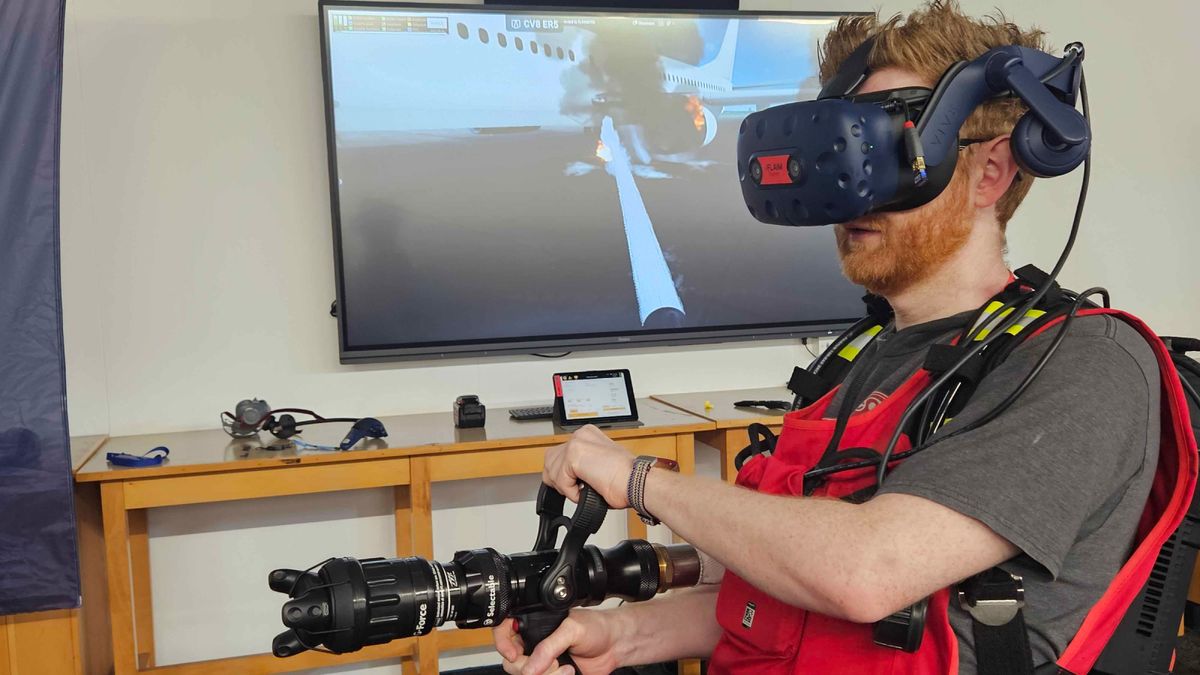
[(992, 598)]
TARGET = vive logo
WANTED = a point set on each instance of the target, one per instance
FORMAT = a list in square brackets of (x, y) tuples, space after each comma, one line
[(748, 616), (944, 127)]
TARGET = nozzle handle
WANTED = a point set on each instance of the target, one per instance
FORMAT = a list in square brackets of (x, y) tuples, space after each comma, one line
[(537, 626), (534, 627), (287, 644), (284, 580)]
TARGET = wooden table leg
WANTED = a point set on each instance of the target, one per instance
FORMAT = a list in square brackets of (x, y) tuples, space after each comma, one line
[(731, 443), (634, 527), (120, 590), (139, 558), (685, 454), (421, 534), (95, 639), (404, 528), (724, 441), (402, 496)]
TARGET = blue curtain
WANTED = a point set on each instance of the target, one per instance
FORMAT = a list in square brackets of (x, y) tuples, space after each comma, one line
[(39, 566)]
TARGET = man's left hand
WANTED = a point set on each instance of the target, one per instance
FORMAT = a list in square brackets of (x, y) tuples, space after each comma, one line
[(593, 458)]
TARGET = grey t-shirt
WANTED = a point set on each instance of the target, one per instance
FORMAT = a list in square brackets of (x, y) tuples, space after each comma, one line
[(1063, 474)]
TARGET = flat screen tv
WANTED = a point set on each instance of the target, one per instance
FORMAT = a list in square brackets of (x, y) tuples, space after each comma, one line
[(511, 180)]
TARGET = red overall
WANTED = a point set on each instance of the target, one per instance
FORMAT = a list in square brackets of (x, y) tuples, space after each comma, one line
[(767, 637)]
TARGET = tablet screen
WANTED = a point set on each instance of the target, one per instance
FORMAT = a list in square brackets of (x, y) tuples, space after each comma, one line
[(595, 396)]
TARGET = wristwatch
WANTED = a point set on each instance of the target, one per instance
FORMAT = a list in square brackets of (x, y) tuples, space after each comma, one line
[(635, 491)]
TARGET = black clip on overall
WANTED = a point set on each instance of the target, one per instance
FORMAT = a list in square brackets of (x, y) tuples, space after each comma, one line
[(559, 588)]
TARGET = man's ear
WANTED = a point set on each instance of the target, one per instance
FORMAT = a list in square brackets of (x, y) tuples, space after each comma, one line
[(999, 170)]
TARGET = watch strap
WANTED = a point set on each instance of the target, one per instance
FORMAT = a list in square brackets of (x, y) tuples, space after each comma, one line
[(635, 490)]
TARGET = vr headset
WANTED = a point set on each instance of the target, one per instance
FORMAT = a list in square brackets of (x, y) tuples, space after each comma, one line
[(253, 415), (845, 155)]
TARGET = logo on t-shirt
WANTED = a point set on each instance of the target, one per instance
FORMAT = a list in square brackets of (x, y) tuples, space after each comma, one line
[(748, 616), (875, 399)]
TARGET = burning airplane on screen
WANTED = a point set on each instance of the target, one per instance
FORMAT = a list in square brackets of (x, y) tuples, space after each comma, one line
[(482, 76), (639, 88)]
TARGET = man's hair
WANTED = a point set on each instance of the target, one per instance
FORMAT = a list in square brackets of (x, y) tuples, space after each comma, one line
[(926, 43)]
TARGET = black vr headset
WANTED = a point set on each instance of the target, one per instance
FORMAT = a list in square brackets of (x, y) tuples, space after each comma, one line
[(845, 155)]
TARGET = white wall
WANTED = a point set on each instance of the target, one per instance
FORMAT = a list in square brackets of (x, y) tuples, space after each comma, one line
[(196, 266)]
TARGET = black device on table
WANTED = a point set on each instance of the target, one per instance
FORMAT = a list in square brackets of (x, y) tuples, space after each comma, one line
[(600, 397), (469, 412)]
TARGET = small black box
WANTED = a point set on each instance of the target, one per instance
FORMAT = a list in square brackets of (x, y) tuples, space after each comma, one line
[(469, 413)]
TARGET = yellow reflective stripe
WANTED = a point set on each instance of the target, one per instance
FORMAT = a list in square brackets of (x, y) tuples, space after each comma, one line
[(992, 321), (852, 350), (987, 313), (1030, 316)]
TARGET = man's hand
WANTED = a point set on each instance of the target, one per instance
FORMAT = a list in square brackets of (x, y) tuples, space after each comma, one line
[(593, 458), (590, 636)]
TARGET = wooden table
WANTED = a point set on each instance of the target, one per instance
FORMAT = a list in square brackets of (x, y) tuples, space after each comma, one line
[(208, 466), (729, 434)]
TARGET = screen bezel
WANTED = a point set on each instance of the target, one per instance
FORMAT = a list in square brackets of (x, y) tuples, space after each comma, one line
[(537, 343), (560, 409)]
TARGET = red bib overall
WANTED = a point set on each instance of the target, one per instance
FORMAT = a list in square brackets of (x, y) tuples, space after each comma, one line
[(767, 637)]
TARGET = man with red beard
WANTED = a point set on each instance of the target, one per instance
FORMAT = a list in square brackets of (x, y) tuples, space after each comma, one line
[(1051, 490)]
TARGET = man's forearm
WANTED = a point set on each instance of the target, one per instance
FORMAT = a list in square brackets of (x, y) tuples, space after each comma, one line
[(779, 545), (681, 624), (856, 562)]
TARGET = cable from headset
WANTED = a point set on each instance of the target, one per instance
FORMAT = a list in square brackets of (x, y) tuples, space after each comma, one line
[(994, 412), (934, 415), (841, 341), (1059, 336), (881, 471)]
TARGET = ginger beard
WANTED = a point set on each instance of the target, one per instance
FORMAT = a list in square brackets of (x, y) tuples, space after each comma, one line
[(888, 252)]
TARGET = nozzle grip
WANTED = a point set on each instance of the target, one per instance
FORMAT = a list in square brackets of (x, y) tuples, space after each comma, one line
[(534, 627), (287, 644)]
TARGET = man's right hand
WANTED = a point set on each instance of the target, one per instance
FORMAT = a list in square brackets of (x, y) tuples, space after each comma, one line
[(591, 637)]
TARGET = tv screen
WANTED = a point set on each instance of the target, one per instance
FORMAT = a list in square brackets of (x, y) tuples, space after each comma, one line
[(518, 180)]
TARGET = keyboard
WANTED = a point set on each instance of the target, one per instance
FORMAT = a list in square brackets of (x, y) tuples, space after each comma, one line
[(535, 413)]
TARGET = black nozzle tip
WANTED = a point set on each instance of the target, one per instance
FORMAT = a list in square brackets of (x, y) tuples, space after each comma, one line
[(287, 644), (309, 612), (283, 581)]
